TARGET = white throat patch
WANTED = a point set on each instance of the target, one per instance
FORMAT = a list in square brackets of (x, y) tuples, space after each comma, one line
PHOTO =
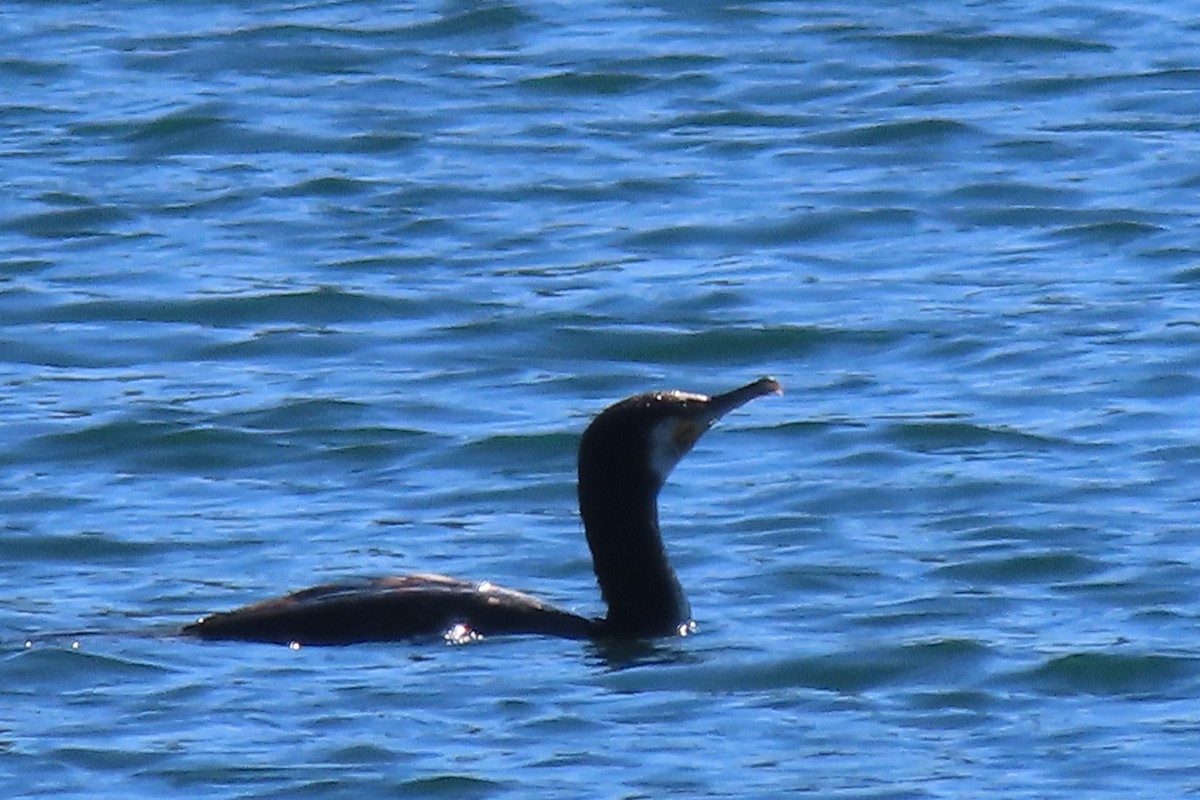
[(670, 440)]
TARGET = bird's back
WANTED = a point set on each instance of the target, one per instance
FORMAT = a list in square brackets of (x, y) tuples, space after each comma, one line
[(391, 609)]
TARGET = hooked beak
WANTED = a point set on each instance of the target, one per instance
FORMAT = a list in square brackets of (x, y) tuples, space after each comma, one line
[(710, 409), (721, 404)]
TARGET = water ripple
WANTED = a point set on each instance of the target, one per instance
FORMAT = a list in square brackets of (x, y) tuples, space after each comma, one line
[(1117, 674), (291, 293)]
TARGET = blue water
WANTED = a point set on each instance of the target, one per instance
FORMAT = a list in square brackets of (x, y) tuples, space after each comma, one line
[(295, 292)]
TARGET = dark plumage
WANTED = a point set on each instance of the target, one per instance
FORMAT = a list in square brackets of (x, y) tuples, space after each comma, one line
[(625, 455)]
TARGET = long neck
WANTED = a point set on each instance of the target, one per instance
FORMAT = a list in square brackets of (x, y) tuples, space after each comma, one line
[(620, 518)]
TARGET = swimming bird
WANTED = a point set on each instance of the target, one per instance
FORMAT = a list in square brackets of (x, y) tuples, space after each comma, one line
[(625, 456)]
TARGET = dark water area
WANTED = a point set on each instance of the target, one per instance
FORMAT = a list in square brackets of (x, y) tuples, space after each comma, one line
[(296, 292)]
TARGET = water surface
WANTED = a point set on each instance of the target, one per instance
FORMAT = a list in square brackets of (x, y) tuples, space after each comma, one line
[(302, 291)]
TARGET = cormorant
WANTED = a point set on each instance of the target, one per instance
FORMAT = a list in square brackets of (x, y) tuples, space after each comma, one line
[(625, 455)]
